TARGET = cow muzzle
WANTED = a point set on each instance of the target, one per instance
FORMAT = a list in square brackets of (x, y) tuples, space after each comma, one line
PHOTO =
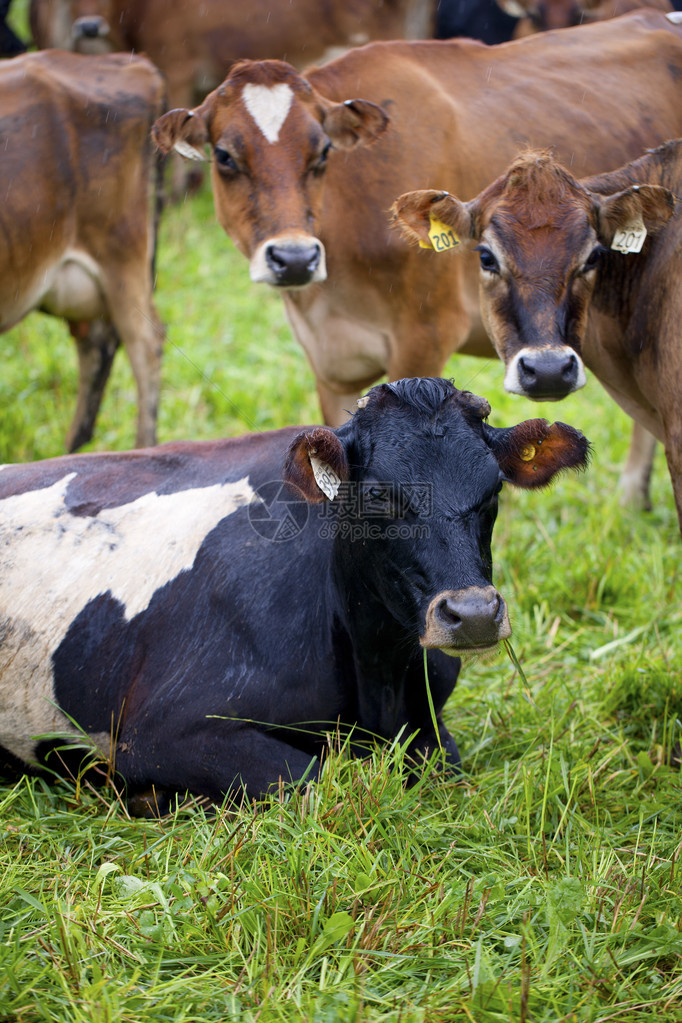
[(90, 28), (545, 374), (461, 620), (289, 262)]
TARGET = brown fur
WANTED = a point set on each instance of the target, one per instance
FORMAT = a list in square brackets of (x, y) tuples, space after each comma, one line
[(536, 450)]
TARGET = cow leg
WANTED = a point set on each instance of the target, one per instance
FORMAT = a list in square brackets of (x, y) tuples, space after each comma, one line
[(142, 334), (96, 343), (636, 475), (673, 454), (211, 760)]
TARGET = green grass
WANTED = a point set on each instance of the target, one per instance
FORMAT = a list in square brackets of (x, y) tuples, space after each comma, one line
[(545, 886)]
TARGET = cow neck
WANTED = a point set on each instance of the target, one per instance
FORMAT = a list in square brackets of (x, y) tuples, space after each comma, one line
[(382, 649)]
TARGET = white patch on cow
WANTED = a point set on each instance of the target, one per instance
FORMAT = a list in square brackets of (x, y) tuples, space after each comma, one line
[(269, 106), (513, 8), (675, 17), (54, 563)]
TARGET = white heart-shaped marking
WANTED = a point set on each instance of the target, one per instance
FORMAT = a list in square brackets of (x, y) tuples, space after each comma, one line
[(269, 106)]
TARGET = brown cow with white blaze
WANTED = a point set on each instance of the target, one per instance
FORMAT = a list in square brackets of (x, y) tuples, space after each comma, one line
[(581, 270), (360, 301), (78, 215)]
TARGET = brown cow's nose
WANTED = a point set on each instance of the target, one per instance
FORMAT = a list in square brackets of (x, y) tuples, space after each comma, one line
[(293, 265), (89, 28), (548, 374), (466, 619)]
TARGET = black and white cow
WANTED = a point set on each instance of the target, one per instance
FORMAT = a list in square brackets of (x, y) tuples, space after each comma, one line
[(210, 611)]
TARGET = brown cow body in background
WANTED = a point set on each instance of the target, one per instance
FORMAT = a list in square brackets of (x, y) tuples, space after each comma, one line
[(581, 270), (458, 111), (196, 44), (78, 215)]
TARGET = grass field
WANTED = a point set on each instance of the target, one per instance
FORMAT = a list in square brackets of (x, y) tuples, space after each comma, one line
[(544, 886)]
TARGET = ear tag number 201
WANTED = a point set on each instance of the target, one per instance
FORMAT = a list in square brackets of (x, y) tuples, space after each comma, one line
[(441, 236), (629, 238)]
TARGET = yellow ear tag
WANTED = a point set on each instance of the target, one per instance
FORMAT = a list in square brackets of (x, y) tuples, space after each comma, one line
[(527, 454), (441, 237)]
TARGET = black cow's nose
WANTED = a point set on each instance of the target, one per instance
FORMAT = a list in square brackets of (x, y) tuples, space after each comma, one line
[(548, 374), (472, 618), (293, 265), (89, 28)]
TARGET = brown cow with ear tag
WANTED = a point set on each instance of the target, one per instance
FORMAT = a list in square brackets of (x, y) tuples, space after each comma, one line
[(579, 273)]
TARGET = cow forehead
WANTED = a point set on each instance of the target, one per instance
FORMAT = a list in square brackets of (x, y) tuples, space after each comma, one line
[(545, 232), (442, 453), (268, 105), (538, 203)]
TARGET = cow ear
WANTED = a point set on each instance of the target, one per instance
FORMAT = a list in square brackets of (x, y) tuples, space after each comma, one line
[(532, 453), (184, 131), (316, 463), (634, 212), (436, 220), (357, 122)]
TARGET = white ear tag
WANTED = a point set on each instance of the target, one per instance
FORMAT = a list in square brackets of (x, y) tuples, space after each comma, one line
[(629, 238), (325, 477), (189, 152)]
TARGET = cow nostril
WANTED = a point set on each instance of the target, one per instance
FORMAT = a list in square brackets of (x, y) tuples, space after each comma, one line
[(276, 260), (314, 261), (570, 368), (527, 369), (448, 614)]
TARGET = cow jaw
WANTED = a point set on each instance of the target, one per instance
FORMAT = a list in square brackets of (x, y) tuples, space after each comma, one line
[(289, 261), (460, 621)]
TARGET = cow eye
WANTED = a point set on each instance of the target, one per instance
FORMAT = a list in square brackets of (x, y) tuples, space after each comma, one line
[(223, 159), (321, 163), (487, 259), (593, 259)]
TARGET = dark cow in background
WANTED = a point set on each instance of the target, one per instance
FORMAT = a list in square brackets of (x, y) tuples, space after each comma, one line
[(78, 215), (545, 15), (475, 19), (305, 198), (208, 612), (575, 271), (10, 43), (196, 44)]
